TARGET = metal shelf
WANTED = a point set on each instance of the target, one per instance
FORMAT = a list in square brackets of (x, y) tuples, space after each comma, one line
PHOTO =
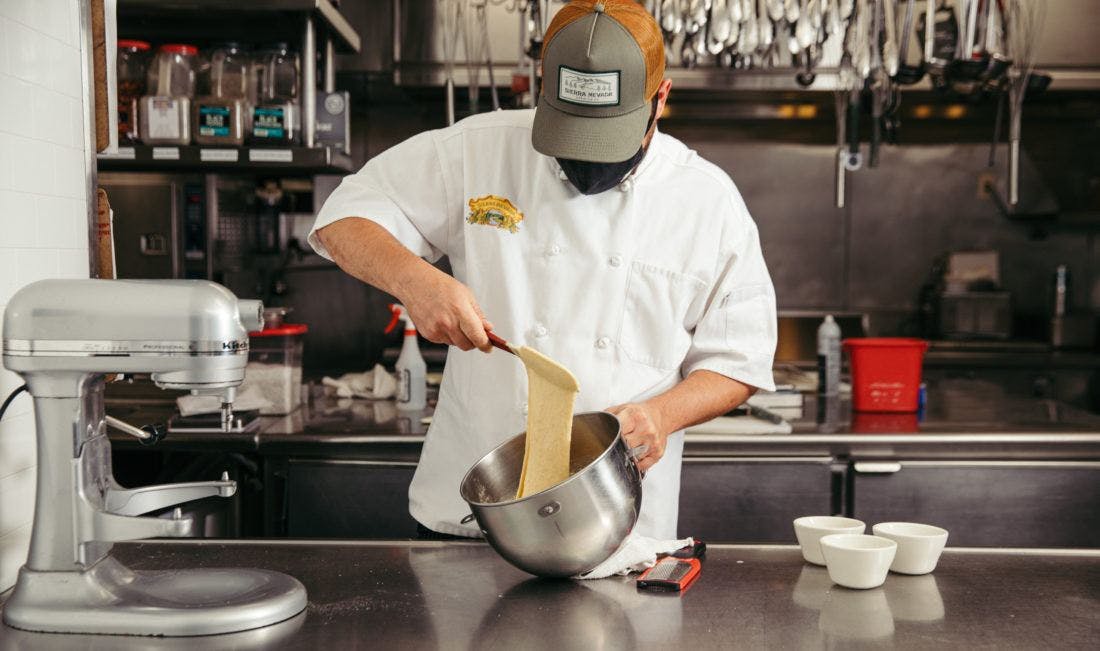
[(166, 14), (204, 158), (710, 77)]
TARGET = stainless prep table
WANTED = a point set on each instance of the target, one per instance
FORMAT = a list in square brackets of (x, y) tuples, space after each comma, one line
[(457, 595)]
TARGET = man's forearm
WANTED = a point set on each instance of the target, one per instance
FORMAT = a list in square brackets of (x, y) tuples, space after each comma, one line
[(700, 397), (368, 252), (444, 310)]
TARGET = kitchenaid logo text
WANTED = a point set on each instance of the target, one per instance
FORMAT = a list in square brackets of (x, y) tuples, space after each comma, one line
[(588, 88)]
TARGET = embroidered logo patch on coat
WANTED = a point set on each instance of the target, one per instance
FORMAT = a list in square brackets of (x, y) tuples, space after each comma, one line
[(492, 210)]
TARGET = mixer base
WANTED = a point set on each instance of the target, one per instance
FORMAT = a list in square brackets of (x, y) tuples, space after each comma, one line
[(110, 598)]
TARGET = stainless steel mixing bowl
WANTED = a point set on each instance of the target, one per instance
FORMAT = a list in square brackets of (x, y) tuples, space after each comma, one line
[(572, 527)]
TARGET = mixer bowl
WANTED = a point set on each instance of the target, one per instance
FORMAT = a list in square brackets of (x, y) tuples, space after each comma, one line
[(569, 528)]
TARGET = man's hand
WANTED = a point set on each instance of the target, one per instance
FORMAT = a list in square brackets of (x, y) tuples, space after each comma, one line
[(702, 395), (641, 425), (445, 311)]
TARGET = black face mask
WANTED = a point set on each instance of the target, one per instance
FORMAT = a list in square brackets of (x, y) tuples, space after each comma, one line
[(594, 178)]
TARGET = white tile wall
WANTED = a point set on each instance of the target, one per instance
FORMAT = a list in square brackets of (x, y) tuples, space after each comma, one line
[(43, 212)]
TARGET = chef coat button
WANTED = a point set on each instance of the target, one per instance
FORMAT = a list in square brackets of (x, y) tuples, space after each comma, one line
[(626, 185), (541, 331), (615, 260), (524, 408), (603, 342), (561, 175), (553, 250)]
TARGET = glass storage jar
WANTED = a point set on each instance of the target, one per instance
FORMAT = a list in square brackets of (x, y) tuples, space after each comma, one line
[(132, 65), (220, 114), (276, 119)]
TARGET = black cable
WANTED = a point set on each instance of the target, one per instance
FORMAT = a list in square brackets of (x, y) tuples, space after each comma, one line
[(10, 398)]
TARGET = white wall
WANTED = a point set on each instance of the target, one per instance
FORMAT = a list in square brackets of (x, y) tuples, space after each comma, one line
[(43, 211)]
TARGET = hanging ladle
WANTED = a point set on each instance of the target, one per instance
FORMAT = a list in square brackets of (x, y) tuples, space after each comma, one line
[(907, 74)]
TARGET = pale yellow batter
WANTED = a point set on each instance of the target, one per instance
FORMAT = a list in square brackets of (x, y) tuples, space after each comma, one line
[(551, 389)]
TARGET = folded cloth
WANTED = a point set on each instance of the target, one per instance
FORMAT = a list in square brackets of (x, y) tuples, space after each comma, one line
[(637, 553), (247, 399), (375, 384)]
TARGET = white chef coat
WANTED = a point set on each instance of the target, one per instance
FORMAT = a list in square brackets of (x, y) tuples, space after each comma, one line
[(632, 289)]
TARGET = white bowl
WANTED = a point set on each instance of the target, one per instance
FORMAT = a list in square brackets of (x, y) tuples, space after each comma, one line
[(919, 545), (858, 561), (810, 529)]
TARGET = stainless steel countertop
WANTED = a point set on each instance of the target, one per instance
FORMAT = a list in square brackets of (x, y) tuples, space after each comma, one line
[(962, 420), (461, 595)]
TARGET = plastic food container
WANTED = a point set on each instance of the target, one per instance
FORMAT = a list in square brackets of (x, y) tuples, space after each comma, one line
[(886, 373), (165, 113), (221, 112), (275, 366), (133, 63)]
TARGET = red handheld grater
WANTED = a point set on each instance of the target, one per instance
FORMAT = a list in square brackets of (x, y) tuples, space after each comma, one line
[(676, 571)]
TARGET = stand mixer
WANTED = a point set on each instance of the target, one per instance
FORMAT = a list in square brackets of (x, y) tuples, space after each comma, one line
[(62, 336)]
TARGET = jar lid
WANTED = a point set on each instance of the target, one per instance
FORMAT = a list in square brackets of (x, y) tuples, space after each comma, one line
[(127, 43), (287, 329), (180, 48)]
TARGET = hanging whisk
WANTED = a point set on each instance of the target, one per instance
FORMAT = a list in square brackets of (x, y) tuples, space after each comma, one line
[(1023, 24)]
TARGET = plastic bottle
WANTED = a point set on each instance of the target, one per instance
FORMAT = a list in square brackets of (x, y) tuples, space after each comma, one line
[(412, 371), (828, 357)]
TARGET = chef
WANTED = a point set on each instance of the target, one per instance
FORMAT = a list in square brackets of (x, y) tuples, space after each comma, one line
[(577, 229)]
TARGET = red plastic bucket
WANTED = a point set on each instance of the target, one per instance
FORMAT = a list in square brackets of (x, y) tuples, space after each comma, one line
[(886, 373)]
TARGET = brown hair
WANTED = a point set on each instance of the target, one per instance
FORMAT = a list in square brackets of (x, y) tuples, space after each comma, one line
[(635, 19)]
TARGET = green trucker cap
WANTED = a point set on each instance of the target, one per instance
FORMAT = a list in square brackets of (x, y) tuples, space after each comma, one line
[(593, 105)]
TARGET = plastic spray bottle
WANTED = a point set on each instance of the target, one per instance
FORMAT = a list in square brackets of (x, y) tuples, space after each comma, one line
[(412, 383), (828, 357)]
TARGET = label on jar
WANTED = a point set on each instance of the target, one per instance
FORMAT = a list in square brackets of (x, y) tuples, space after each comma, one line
[(164, 119), (269, 122), (214, 120)]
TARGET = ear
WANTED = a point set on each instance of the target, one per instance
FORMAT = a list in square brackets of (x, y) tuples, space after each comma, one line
[(662, 95)]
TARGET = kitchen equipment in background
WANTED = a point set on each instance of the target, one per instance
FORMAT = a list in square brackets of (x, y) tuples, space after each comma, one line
[(132, 62), (165, 114), (269, 197), (972, 304), (797, 331), (886, 373), (333, 118), (809, 531), (976, 315), (828, 357), (190, 335), (567, 529), (220, 113), (968, 270), (275, 366), (1069, 328), (243, 422), (276, 119), (274, 316), (159, 224)]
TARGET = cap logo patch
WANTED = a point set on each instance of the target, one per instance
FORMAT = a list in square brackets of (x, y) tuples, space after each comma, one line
[(588, 88)]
